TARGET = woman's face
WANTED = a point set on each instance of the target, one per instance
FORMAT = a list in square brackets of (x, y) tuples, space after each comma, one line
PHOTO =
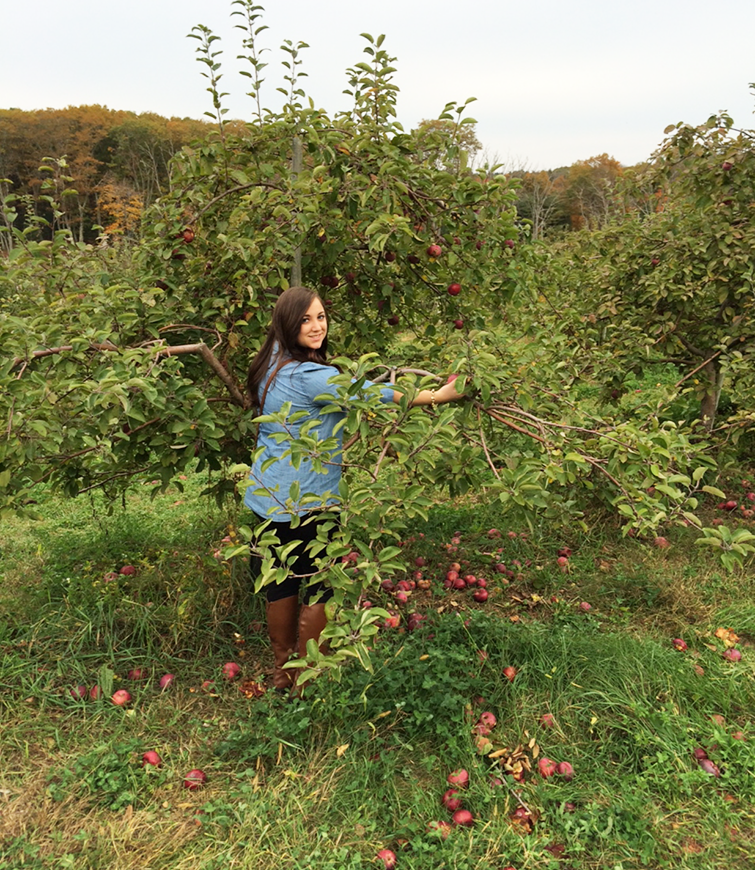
[(314, 326)]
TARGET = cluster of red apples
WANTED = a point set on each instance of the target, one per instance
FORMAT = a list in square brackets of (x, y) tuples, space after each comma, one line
[(433, 253)]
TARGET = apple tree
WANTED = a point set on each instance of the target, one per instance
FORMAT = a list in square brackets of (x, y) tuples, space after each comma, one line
[(674, 283)]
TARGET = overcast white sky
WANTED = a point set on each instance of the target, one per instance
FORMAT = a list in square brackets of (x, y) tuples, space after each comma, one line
[(555, 81)]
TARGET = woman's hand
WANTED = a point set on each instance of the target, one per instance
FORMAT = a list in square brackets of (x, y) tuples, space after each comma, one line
[(448, 392)]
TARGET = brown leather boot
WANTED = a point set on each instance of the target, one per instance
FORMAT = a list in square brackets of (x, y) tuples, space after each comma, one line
[(312, 621), (281, 628)]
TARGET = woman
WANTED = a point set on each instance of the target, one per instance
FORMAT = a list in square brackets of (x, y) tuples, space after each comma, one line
[(291, 367)]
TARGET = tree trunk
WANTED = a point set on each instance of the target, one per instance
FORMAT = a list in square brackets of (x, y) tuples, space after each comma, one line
[(714, 377)]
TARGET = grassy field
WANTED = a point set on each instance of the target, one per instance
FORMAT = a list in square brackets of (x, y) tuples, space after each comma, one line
[(360, 764)]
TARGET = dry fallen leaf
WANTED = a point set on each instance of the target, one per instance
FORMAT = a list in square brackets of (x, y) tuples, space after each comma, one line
[(728, 636)]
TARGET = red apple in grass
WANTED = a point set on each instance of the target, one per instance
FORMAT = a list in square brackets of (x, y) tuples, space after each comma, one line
[(480, 596), (661, 542), (563, 768), (547, 720), (95, 693), (679, 643), (547, 767), (151, 757), (458, 777), (586, 606), (441, 828), (451, 800), (732, 655), (510, 673), (195, 779), (388, 858), (127, 571), (120, 697), (709, 767), (463, 818), (79, 693), (137, 674), (166, 681), (487, 719), (231, 670)]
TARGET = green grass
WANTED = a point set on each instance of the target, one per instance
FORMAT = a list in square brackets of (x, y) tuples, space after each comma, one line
[(360, 764)]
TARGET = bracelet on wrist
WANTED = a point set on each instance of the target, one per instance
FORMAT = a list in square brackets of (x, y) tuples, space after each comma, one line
[(433, 400)]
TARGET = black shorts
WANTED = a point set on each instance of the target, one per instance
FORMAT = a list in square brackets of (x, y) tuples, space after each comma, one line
[(303, 568)]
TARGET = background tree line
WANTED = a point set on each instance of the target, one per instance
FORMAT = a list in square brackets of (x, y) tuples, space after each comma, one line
[(110, 163), (105, 166)]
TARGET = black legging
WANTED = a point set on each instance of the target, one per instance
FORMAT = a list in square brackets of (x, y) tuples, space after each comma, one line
[(303, 566)]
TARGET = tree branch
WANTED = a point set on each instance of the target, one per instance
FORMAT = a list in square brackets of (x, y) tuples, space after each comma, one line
[(214, 363)]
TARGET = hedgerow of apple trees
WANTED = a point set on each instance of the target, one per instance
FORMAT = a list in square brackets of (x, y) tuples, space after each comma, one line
[(673, 284), (113, 372)]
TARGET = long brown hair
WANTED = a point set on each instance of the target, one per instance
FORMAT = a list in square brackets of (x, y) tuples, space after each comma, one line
[(284, 330)]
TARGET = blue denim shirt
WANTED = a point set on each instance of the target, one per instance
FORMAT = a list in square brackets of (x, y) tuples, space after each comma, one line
[(298, 383)]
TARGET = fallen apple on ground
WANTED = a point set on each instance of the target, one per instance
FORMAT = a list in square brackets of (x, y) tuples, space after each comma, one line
[(231, 670), (547, 767), (388, 858), (194, 779), (463, 818), (151, 757), (458, 777), (120, 697), (451, 800), (441, 828)]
